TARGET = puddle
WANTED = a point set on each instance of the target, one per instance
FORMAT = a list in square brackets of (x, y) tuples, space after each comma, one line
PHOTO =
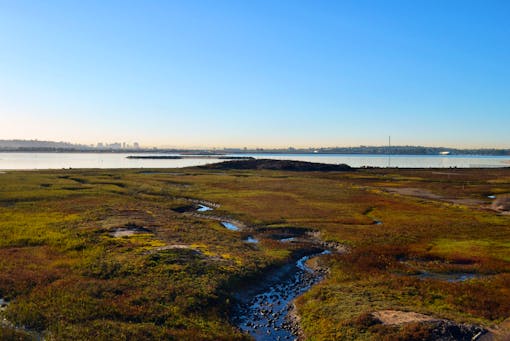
[(230, 226), (284, 235), (195, 207), (287, 240), (3, 304), (185, 208), (491, 196), (251, 240), (203, 208), (377, 222)]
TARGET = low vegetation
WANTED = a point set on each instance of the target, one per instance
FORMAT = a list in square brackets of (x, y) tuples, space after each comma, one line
[(66, 274)]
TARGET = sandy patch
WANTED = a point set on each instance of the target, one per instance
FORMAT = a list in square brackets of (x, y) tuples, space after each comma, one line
[(426, 194), (172, 246), (466, 201), (498, 333), (415, 192), (501, 204), (446, 173), (395, 317)]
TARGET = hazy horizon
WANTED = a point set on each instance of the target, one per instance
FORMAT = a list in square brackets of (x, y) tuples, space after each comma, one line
[(262, 74), (283, 146)]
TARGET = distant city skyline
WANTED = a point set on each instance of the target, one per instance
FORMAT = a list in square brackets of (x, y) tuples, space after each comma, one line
[(256, 74), (42, 145)]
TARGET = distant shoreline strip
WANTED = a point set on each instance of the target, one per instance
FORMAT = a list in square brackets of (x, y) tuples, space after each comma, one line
[(179, 157)]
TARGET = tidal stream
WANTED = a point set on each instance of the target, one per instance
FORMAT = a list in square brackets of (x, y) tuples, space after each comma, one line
[(265, 312), (264, 308)]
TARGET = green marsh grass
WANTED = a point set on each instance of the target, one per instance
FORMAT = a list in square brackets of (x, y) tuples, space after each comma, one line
[(65, 275)]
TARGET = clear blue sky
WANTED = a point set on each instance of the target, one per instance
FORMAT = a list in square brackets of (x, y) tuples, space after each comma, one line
[(256, 73)]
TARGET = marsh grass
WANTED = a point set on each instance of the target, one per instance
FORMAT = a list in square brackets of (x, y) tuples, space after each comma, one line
[(65, 274)]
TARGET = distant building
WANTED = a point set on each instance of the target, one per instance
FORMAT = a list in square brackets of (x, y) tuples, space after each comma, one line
[(136, 145)]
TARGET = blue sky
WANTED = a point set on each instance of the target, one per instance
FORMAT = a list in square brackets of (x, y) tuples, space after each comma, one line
[(257, 73)]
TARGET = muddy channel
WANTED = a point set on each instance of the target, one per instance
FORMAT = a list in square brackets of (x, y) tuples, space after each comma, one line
[(264, 307)]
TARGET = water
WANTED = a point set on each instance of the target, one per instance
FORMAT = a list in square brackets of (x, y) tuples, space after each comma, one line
[(301, 263), (119, 160), (401, 161), (230, 226), (203, 208), (90, 160), (265, 316), (251, 240), (287, 240)]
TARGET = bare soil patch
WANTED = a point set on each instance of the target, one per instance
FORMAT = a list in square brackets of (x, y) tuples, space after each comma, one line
[(427, 194), (501, 204), (394, 317), (414, 192)]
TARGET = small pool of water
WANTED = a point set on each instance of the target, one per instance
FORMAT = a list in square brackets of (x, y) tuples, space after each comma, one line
[(288, 240), (203, 208), (251, 240), (230, 226), (491, 196), (3, 303)]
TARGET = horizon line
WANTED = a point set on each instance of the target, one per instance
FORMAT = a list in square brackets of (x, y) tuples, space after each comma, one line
[(203, 147)]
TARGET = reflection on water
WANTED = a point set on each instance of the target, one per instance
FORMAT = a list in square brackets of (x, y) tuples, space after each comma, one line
[(89, 160), (120, 160)]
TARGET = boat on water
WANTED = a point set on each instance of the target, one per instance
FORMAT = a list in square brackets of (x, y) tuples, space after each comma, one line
[(444, 153)]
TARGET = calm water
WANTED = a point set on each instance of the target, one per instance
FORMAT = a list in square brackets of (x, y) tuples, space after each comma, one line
[(113, 160)]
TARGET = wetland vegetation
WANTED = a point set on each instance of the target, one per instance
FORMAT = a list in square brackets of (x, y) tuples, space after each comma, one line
[(130, 254)]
